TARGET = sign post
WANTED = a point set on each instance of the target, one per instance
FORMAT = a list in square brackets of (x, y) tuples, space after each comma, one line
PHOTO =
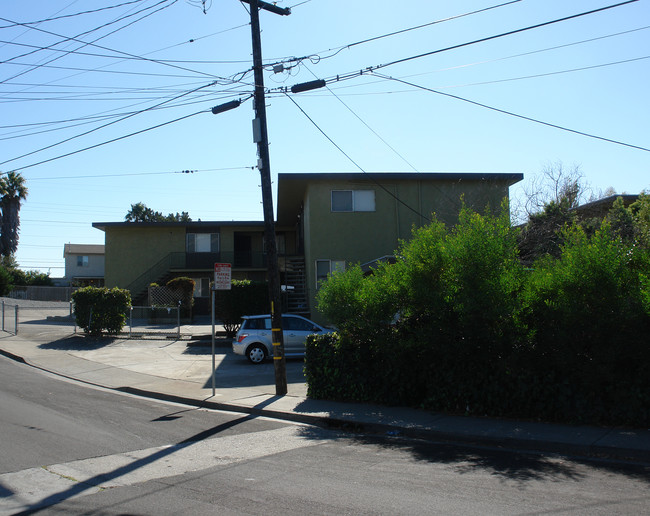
[(222, 281)]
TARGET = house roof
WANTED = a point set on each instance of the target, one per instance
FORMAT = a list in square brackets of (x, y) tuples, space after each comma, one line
[(291, 192), (189, 225), (83, 249), (291, 187), (600, 207)]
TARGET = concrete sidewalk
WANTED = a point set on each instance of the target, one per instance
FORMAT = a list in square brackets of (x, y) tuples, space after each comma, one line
[(180, 370)]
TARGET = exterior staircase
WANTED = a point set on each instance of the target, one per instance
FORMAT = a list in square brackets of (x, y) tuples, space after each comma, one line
[(295, 296)]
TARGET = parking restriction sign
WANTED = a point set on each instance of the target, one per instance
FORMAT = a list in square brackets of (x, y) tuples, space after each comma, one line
[(222, 276)]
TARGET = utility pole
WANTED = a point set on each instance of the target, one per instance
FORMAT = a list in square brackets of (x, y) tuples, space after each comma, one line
[(260, 136)]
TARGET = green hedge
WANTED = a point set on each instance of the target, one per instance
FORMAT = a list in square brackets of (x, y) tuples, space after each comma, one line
[(477, 333), (101, 309)]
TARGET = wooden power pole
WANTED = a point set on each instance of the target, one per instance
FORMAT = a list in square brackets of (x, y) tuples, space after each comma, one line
[(260, 136)]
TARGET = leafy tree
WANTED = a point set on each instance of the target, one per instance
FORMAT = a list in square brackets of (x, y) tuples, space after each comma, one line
[(139, 212), (5, 281), (640, 211), (542, 235), (554, 184), (588, 318), (12, 192), (35, 278)]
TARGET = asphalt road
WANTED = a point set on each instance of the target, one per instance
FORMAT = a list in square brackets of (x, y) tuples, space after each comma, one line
[(67, 448)]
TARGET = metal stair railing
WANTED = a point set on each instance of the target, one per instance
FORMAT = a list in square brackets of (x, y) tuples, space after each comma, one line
[(295, 277), (140, 285)]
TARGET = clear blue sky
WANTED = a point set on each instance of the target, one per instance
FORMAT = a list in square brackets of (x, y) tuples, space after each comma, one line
[(587, 74)]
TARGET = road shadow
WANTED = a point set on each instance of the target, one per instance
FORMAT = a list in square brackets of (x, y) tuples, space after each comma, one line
[(235, 371), (203, 346), (519, 466), (159, 455), (78, 343)]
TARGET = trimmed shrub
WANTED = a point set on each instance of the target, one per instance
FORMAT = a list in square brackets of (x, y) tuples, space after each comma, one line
[(184, 286), (101, 309)]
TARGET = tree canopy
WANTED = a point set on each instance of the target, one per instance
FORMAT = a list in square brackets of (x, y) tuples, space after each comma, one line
[(139, 212)]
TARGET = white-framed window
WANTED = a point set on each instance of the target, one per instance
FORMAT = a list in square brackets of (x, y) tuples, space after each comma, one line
[(327, 267), (82, 261), (203, 242), (353, 200), (202, 287)]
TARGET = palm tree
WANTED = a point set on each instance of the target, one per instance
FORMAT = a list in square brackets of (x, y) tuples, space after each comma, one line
[(12, 192)]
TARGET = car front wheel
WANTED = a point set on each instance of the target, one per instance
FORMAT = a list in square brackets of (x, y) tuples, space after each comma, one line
[(256, 353)]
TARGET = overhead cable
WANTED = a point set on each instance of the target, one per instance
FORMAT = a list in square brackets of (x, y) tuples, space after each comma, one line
[(110, 141), (503, 34), (354, 162), (54, 18), (530, 119), (105, 125)]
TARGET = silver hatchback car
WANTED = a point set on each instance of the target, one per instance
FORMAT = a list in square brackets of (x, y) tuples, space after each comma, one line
[(255, 342)]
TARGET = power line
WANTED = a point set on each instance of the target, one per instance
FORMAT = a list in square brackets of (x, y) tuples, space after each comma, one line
[(547, 74), (111, 140), (503, 34), (354, 162), (368, 40), (116, 72), (84, 43), (371, 69), (368, 126), (429, 24), (103, 116), (512, 57), (132, 174), (103, 126), (121, 53), (515, 114), (24, 134), (70, 15)]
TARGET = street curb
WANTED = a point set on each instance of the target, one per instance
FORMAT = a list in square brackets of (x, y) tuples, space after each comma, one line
[(10, 355), (587, 451)]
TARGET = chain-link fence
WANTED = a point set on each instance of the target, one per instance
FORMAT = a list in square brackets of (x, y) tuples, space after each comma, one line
[(35, 317), (42, 317), (148, 321)]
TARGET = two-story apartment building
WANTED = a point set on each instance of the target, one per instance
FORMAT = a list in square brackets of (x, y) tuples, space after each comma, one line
[(324, 222)]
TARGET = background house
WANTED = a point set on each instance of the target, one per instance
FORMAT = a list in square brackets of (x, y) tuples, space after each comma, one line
[(324, 222), (84, 265)]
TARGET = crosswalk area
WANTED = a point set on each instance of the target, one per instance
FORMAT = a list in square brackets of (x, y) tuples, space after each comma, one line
[(40, 487)]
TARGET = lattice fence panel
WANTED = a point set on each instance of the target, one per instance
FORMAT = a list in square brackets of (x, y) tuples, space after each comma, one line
[(164, 296)]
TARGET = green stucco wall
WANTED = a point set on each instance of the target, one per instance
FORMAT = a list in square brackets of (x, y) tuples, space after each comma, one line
[(131, 251), (360, 237)]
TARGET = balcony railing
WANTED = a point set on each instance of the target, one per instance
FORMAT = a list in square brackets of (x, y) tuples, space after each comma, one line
[(194, 261)]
